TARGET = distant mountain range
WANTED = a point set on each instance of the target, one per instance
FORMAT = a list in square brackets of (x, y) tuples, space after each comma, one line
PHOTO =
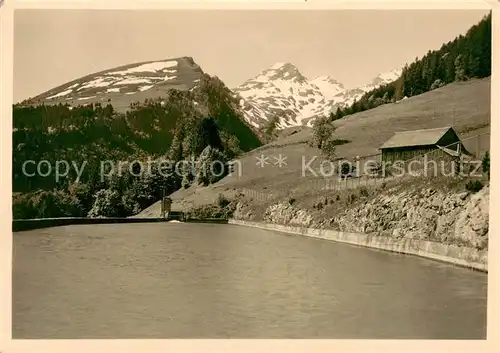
[(283, 91), (279, 91)]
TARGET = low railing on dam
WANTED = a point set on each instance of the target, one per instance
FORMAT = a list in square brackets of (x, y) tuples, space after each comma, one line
[(28, 224), (207, 220)]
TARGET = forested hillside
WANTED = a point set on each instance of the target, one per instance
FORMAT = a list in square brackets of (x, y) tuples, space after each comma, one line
[(197, 124), (463, 58)]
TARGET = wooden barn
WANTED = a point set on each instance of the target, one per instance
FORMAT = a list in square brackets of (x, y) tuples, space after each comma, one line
[(410, 144)]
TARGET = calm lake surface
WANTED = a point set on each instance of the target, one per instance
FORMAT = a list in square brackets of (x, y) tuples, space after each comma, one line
[(168, 280)]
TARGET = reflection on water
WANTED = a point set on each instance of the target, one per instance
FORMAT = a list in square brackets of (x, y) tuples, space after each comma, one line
[(164, 280)]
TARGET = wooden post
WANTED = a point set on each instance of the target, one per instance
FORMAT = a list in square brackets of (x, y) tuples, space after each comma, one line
[(167, 204)]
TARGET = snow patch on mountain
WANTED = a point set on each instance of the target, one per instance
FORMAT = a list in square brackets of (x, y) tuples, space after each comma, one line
[(145, 88), (61, 94), (149, 67), (132, 81), (98, 82), (329, 87)]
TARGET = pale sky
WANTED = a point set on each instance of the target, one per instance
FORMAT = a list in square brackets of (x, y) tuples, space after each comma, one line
[(52, 47)]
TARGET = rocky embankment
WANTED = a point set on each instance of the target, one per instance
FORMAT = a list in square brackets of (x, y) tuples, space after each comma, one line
[(443, 216)]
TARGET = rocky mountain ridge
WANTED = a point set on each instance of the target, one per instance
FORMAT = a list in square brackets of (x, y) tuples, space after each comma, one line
[(282, 91)]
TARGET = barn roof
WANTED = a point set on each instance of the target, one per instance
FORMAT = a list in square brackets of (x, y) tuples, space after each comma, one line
[(411, 138)]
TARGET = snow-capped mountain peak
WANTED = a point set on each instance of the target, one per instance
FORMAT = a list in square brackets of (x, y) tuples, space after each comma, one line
[(281, 71), (387, 77), (391, 75), (278, 66), (283, 91)]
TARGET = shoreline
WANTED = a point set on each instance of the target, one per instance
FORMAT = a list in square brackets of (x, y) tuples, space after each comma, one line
[(452, 254), (448, 253)]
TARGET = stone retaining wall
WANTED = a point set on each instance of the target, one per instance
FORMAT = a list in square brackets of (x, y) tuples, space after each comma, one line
[(457, 255)]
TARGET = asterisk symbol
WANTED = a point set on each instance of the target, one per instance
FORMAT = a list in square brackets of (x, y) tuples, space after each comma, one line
[(262, 160), (280, 160)]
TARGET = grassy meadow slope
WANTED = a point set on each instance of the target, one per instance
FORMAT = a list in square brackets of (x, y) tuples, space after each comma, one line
[(463, 105)]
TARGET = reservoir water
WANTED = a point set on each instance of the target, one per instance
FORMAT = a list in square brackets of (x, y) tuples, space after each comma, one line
[(166, 280)]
